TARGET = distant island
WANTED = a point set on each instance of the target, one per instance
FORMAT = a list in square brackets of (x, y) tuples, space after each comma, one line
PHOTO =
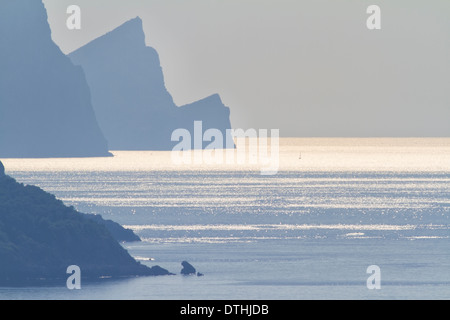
[(40, 237), (45, 100), (108, 95), (133, 107)]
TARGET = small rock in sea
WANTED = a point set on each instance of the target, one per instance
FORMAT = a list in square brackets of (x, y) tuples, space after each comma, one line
[(200, 274), (188, 269)]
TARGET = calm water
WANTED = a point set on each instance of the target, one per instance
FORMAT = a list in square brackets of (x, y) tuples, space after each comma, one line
[(336, 207)]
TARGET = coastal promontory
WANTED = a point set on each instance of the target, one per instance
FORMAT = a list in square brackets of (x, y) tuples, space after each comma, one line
[(40, 237), (133, 106), (45, 100)]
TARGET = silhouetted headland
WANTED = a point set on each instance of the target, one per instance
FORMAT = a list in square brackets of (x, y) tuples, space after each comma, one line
[(133, 107), (40, 237), (45, 101)]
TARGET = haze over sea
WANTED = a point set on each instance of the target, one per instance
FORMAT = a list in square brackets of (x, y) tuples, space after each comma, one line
[(335, 207)]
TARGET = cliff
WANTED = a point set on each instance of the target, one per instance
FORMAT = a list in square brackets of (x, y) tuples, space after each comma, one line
[(133, 106), (45, 101), (40, 237)]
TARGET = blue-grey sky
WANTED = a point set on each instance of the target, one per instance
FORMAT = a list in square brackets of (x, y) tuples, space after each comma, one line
[(306, 67)]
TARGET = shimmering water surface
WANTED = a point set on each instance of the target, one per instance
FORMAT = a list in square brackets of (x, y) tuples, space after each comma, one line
[(335, 207)]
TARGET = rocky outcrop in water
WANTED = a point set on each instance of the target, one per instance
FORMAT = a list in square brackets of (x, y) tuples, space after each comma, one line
[(188, 269)]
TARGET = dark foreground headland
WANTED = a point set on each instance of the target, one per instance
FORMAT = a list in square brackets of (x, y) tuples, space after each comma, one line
[(40, 237)]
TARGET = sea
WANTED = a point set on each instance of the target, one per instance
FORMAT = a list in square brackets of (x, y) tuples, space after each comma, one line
[(312, 230)]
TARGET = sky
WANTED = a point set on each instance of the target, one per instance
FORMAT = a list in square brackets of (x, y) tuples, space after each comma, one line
[(306, 67)]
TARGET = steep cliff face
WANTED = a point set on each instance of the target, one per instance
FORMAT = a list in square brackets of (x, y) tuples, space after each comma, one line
[(211, 111), (133, 106), (45, 102)]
